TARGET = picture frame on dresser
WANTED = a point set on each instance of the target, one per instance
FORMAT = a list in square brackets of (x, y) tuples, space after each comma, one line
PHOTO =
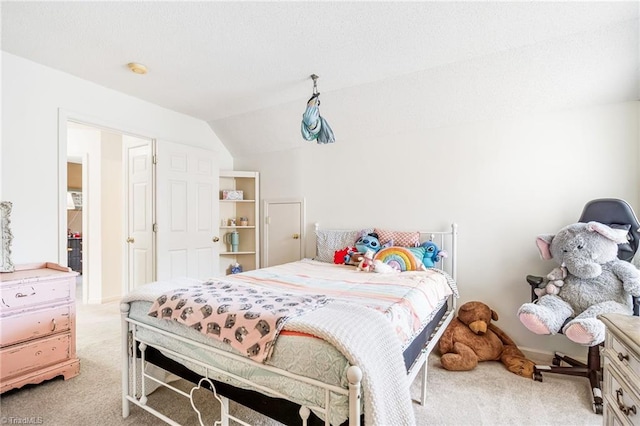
[(6, 264)]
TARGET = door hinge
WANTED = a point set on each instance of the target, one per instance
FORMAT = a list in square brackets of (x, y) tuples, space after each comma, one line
[(155, 227), (155, 159)]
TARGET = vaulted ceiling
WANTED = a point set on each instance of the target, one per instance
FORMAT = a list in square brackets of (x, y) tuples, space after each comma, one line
[(220, 60)]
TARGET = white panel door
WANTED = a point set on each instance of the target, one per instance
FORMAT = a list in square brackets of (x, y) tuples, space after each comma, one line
[(139, 268), (284, 237), (187, 211)]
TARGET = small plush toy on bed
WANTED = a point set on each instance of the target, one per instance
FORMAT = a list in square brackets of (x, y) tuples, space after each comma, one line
[(432, 254), (353, 255), (366, 261), (347, 256), (371, 241)]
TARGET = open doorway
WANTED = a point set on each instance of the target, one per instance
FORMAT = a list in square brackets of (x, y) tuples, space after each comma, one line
[(96, 154), (74, 219), (94, 194)]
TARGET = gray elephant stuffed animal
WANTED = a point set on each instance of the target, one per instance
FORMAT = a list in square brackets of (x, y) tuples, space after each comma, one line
[(597, 282)]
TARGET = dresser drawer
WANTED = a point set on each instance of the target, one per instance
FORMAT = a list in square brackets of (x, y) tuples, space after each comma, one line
[(34, 324), (33, 293), (611, 418), (34, 355), (620, 398), (626, 361)]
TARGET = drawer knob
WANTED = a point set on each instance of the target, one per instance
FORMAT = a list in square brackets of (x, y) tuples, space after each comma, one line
[(53, 324), (626, 410), (623, 357)]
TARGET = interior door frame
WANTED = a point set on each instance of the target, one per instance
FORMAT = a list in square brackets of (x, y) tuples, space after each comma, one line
[(65, 116), (265, 227)]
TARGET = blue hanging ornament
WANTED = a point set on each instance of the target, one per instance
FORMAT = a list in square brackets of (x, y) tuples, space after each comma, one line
[(315, 127)]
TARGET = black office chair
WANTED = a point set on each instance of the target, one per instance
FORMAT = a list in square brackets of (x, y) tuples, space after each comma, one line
[(615, 213)]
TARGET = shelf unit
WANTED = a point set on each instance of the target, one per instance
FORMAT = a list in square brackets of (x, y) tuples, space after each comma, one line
[(248, 254)]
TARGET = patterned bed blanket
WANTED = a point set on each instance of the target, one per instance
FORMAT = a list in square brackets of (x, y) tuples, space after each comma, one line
[(240, 315)]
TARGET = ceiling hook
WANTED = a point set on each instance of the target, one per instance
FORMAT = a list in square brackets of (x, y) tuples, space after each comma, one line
[(315, 84)]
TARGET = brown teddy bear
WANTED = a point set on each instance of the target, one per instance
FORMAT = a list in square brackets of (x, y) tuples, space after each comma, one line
[(471, 337)]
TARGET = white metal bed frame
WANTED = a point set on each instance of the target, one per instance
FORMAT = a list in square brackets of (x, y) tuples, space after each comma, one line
[(132, 372)]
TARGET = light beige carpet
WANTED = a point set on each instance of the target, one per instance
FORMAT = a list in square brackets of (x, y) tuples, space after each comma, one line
[(488, 395)]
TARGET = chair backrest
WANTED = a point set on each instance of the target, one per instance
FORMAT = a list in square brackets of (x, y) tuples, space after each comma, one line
[(615, 213)]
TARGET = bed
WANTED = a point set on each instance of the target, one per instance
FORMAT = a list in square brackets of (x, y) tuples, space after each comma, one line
[(322, 370)]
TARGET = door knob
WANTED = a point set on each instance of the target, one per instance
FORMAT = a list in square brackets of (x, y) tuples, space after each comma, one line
[(215, 239), (296, 236), (131, 240)]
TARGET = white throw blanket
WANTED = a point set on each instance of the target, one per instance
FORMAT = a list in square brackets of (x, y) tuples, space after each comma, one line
[(374, 349)]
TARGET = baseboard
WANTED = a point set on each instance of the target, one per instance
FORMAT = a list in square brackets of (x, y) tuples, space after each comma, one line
[(103, 301), (543, 357), (110, 299)]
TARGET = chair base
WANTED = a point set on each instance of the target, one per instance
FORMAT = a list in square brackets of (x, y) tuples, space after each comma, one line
[(592, 371)]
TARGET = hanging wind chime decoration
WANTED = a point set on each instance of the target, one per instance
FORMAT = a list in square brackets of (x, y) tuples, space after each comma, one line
[(314, 127)]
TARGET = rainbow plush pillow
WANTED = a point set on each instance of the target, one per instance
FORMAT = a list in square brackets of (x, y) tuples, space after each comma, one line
[(399, 258)]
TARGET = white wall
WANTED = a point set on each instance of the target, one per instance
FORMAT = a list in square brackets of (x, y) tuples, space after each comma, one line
[(32, 96), (504, 181), (509, 146)]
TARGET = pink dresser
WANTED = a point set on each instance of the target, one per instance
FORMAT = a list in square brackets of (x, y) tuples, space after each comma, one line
[(37, 325)]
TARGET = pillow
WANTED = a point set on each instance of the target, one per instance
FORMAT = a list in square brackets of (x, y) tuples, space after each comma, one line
[(330, 240), (399, 258), (399, 239)]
